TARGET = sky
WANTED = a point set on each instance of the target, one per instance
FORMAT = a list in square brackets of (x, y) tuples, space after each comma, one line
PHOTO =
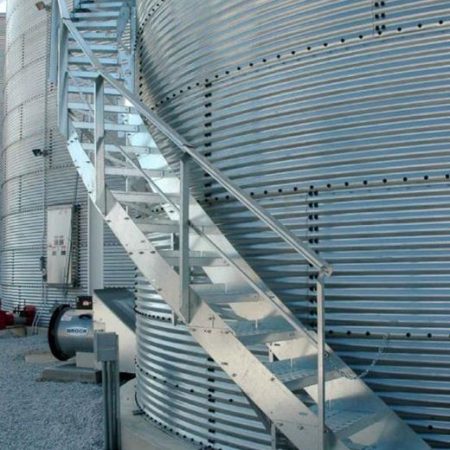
[(2, 5)]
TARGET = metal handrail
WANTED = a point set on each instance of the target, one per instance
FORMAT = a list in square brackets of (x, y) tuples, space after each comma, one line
[(179, 141)]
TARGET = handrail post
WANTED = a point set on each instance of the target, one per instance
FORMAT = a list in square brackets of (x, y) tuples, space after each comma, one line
[(321, 393), (63, 81), (54, 33), (184, 265), (99, 138)]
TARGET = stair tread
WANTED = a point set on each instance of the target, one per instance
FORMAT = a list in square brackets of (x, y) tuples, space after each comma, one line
[(303, 370), (218, 293), (142, 197)]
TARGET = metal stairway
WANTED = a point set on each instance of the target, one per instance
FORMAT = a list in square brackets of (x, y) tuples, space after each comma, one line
[(306, 392)]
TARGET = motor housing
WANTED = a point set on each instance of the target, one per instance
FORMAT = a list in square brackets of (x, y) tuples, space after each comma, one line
[(70, 331)]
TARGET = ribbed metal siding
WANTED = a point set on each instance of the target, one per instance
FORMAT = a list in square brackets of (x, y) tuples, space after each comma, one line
[(343, 134), (30, 184)]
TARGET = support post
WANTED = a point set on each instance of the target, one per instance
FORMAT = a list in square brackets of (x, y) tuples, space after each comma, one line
[(95, 248), (321, 394), (106, 351), (100, 192), (184, 265)]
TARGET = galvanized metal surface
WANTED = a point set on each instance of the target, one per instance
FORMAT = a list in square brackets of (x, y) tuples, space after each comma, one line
[(343, 134), (225, 330), (30, 184)]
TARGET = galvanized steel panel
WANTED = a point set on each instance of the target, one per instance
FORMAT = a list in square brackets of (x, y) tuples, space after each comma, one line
[(30, 184), (334, 115)]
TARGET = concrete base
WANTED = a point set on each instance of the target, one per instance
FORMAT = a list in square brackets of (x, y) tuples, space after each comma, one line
[(139, 433), (40, 358), (86, 360), (68, 371)]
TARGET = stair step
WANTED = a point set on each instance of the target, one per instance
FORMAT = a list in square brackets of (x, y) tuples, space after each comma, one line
[(149, 198), (131, 172), (95, 15), (96, 24), (108, 108), (196, 259), (96, 48), (218, 294), (89, 146), (346, 423), (108, 126), (264, 331), (101, 4), (84, 60), (90, 75), (97, 36), (160, 226), (73, 89), (301, 372)]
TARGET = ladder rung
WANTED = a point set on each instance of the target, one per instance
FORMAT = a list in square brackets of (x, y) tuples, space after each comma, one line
[(150, 198)]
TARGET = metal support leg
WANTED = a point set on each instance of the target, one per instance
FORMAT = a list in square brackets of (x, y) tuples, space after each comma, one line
[(185, 270), (100, 192), (321, 439), (106, 351), (95, 248)]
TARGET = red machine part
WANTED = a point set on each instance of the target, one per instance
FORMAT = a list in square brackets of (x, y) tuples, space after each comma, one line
[(6, 319), (24, 316)]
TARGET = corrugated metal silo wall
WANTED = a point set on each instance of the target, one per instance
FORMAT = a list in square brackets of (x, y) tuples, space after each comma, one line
[(2, 69), (31, 184), (334, 115)]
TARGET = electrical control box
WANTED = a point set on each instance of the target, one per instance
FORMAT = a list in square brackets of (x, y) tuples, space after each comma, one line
[(61, 248)]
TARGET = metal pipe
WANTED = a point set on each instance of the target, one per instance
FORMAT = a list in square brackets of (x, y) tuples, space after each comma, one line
[(106, 348)]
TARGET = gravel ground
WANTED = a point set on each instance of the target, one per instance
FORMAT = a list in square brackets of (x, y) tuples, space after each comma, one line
[(37, 415)]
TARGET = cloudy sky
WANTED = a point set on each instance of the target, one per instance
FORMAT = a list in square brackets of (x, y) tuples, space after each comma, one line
[(2, 5)]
